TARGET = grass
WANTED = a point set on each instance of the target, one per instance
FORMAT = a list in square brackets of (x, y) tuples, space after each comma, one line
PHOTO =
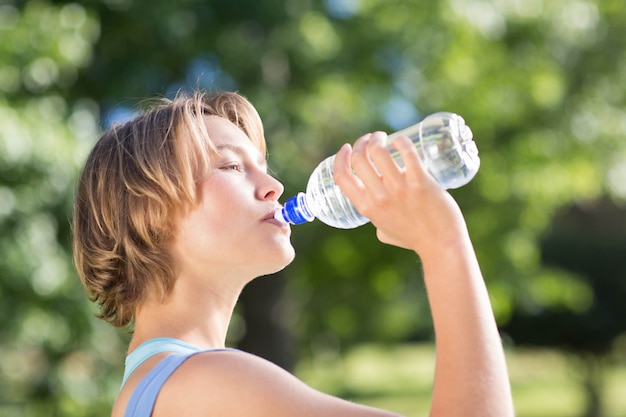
[(399, 378)]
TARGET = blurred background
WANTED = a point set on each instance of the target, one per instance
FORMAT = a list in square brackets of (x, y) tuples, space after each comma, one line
[(540, 82)]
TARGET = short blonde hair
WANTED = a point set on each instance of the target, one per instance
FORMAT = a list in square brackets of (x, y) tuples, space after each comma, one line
[(137, 177)]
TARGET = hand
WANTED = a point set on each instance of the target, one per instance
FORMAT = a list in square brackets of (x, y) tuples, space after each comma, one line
[(406, 205)]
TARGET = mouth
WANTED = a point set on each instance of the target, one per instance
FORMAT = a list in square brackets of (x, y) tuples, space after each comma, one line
[(270, 218), (269, 215)]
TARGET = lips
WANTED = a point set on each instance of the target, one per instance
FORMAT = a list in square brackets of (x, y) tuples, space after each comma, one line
[(270, 215), (269, 218)]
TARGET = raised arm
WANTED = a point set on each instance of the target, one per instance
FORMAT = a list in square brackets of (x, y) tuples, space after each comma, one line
[(409, 209)]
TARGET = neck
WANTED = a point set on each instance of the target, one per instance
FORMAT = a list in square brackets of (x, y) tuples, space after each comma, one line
[(199, 316)]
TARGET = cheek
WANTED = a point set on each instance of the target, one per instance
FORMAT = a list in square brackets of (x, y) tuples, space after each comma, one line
[(222, 215), (213, 225)]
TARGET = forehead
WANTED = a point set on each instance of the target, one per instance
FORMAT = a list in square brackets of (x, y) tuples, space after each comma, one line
[(221, 129), (226, 135)]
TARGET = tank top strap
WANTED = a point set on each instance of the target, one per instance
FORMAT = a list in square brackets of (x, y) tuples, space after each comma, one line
[(145, 394), (153, 347)]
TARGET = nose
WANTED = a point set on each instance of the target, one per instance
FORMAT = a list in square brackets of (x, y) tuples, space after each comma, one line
[(270, 188)]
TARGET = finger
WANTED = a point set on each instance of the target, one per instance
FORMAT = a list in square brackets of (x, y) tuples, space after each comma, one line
[(359, 152), (379, 153), (349, 183), (362, 162), (414, 168)]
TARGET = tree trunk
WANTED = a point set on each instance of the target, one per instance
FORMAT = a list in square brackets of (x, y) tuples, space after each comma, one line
[(593, 372)]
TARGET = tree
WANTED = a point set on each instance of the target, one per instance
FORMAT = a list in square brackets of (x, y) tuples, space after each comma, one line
[(538, 82), (50, 346), (587, 240)]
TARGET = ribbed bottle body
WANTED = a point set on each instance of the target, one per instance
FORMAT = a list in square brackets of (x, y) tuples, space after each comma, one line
[(445, 146)]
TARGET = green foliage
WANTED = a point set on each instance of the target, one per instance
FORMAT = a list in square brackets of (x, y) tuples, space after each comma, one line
[(52, 356), (540, 83)]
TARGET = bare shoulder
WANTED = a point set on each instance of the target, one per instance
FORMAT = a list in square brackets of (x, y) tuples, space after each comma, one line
[(235, 383)]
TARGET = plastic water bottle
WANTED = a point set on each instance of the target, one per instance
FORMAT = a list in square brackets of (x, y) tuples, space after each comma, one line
[(445, 146)]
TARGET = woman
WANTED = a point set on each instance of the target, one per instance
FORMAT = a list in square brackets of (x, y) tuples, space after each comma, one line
[(174, 216)]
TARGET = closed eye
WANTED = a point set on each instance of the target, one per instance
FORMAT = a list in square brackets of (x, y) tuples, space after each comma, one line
[(232, 166)]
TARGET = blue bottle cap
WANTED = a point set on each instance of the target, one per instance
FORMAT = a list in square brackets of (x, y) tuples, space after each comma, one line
[(295, 211)]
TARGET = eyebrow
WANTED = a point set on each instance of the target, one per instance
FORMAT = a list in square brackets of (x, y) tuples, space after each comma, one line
[(241, 152)]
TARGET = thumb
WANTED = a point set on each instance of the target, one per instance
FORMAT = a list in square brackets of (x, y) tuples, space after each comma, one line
[(384, 238)]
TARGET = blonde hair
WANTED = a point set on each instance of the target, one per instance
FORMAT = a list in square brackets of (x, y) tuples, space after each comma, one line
[(137, 177)]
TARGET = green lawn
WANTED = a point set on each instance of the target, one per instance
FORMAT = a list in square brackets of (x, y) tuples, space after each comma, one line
[(399, 378)]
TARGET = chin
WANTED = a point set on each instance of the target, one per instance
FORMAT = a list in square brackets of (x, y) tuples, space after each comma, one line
[(287, 258)]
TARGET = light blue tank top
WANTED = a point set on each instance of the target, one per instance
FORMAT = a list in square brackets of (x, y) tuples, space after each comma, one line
[(145, 394)]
